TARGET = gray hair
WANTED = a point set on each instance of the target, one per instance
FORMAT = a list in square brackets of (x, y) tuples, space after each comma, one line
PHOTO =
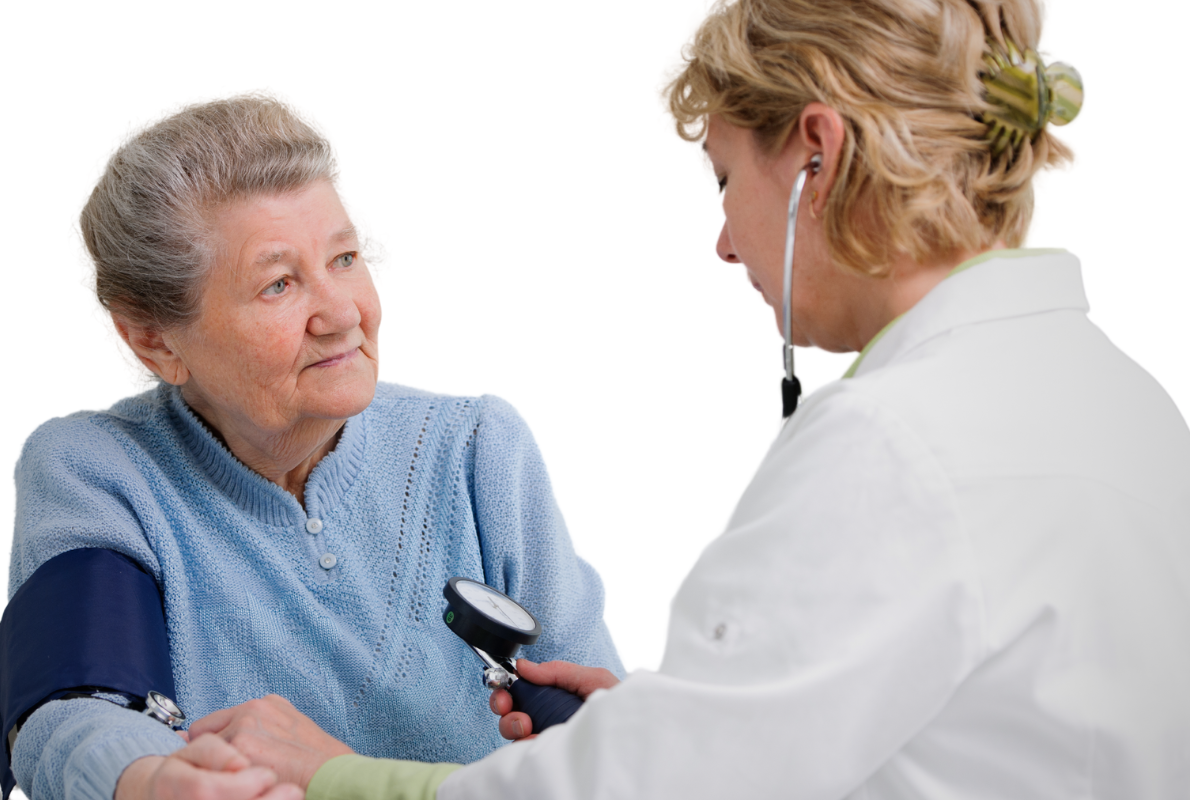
[(146, 225)]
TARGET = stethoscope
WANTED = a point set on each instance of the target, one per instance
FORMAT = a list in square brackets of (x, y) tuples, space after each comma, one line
[(495, 626), (791, 387)]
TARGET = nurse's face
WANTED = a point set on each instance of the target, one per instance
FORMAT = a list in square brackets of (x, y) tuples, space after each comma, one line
[(827, 304)]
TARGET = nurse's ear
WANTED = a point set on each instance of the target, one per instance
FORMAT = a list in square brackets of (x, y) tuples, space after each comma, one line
[(154, 347), (819, 131)]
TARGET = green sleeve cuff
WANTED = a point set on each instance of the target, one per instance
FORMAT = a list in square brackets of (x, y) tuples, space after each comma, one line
[(353, 777)]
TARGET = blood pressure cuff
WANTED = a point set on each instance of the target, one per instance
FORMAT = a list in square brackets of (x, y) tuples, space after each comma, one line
[(87, 620)]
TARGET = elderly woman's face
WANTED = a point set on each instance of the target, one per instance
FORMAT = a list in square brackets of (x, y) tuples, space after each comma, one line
[(289, 316)]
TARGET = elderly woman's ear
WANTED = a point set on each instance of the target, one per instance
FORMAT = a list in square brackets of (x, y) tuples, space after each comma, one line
[(154, 348)]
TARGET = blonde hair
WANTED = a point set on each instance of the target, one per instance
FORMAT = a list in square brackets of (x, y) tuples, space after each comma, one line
[(917, 174), (145, 224)]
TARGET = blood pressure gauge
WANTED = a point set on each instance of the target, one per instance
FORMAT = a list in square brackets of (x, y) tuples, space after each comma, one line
[(495, 626)]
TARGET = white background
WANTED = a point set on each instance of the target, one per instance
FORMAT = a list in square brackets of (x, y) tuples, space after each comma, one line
[(546, 236)]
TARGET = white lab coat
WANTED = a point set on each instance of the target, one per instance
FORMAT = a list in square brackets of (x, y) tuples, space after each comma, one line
[(962, 573)]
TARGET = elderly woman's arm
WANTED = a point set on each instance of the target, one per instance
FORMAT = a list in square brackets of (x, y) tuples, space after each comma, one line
[(79, 748), (76, 489), (72, 493), (527, 552), (128, 756)]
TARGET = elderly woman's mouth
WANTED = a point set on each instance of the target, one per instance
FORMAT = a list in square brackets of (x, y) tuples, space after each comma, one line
[(335, 361)]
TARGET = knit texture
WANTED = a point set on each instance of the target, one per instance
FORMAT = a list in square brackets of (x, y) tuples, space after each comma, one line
[(419, 488)]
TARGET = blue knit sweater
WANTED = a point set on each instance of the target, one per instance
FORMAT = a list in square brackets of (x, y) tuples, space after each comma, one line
[(419, 488)]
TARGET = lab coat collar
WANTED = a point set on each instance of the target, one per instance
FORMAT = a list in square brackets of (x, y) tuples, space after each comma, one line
[(996, 285)]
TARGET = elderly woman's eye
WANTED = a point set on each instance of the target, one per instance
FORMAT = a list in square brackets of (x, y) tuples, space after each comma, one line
[(722, 183), (346, 260), (275, 288)]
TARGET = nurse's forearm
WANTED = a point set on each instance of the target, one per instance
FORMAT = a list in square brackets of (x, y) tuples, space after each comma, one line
[(354, 777)]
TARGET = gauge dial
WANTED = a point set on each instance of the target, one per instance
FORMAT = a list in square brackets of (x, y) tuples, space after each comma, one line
[(486, 619), (495, 606)]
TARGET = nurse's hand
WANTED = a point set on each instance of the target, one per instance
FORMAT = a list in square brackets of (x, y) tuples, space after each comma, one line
[(578, 680), (274, 734), (207, 767)]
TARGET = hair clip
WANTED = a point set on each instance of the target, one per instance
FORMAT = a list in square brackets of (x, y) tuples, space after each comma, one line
[(1026, 95)]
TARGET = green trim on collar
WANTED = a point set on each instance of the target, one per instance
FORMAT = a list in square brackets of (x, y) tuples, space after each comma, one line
[(1021, 252), (871, 343)]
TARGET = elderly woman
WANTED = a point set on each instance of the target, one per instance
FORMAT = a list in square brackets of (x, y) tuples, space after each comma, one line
[(960, 572), (299, 519)]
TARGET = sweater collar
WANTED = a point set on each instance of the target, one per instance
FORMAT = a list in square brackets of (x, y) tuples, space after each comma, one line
[(999, 284), (326, 486)]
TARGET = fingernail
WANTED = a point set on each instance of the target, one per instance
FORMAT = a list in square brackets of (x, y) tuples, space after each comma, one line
[(518, 729)]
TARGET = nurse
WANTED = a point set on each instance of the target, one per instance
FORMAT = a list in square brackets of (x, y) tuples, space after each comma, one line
[(963, 570)]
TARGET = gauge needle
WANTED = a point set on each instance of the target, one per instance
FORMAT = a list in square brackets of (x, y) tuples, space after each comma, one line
[(496, 606)]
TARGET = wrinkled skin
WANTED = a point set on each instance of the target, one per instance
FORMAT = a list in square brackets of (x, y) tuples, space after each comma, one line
[(208, 768), (271, 733)]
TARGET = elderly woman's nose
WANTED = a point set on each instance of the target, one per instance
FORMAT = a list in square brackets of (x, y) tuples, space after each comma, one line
[(724, 248), (334, 310)]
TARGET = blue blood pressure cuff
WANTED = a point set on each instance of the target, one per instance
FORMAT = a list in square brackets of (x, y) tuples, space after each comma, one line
[(86, 621)]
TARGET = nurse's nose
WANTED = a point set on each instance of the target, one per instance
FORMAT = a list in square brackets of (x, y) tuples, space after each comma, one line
[(724, 248)]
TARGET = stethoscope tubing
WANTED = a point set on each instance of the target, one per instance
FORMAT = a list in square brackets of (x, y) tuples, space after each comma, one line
[(795, 199)]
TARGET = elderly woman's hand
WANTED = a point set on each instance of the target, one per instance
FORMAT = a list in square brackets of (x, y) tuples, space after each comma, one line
[(206, 768), (271, 733), (573, 678)]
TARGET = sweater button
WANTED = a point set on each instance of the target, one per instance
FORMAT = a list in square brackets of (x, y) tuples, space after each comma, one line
[(313, 525), (328, 560)]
